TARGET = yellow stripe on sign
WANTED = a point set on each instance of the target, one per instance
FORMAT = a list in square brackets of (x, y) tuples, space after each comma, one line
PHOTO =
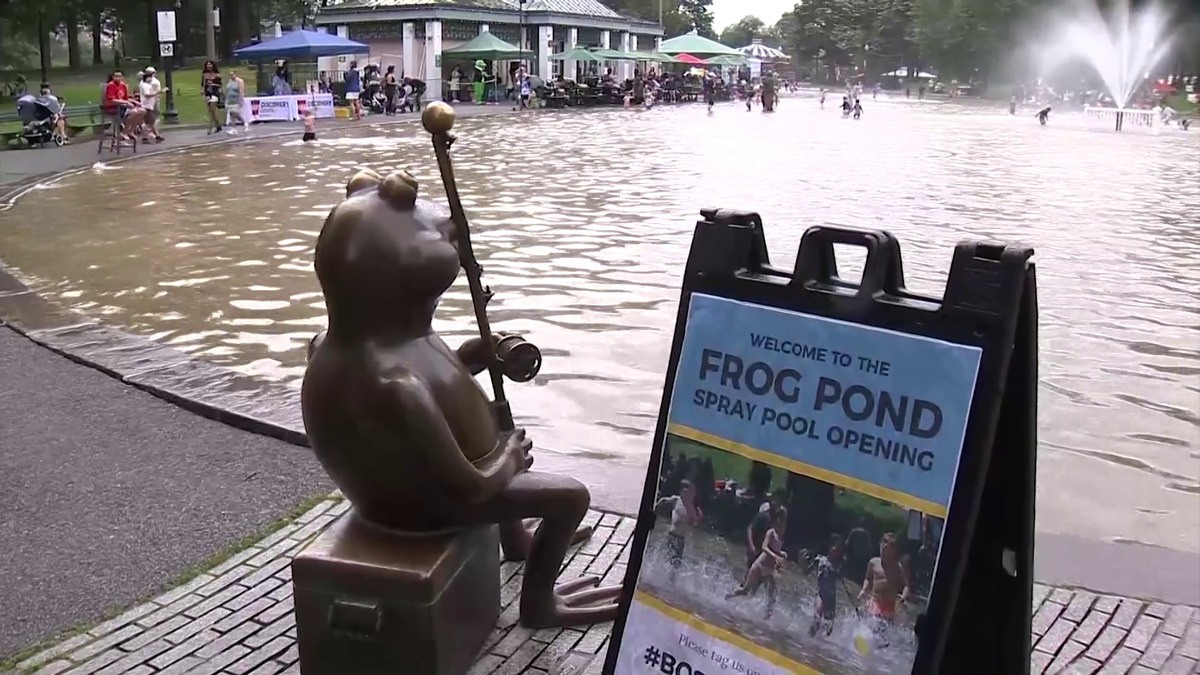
[(906, 500), (723, 635)]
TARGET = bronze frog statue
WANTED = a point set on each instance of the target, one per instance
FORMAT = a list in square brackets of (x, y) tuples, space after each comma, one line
[(396, 417)]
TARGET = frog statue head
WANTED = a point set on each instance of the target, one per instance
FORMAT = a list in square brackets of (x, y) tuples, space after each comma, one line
[(384, 257)]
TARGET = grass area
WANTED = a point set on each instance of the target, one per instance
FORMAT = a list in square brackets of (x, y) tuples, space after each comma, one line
[(1182, 105), (187, 575), (85, 87)]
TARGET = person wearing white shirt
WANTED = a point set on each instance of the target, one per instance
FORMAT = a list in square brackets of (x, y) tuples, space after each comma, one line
[(149, 90)]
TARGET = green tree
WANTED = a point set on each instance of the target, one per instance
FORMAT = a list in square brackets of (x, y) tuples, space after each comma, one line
[(698, 13), (742, 32)]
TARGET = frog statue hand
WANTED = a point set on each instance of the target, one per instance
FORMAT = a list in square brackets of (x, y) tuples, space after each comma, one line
[(396, 418)]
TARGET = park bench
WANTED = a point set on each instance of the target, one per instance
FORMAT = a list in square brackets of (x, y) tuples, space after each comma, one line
[(83, 118)]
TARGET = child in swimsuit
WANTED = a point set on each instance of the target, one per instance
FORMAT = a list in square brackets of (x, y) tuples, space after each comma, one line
[(310, 127), (684, 516), (762, 572)]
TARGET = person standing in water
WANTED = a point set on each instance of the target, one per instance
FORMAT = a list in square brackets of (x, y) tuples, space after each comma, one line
[(822, 100), (685, 516), (846, 107), (310, 126), (1043, 115), (885, 587), (763, 571), (857, 109), (829, 573), (710, 93), (1012, 105)]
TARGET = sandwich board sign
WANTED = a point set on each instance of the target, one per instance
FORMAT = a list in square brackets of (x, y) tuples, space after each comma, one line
[(842, 476)]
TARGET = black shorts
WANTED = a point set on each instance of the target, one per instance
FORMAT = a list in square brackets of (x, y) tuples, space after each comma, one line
[(675, 544), (828, 605), (309, 136)]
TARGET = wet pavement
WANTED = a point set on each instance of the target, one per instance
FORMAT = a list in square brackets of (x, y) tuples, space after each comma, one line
[(239, 618), (583, 236)]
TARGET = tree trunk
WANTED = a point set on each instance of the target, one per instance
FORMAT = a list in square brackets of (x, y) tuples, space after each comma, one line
[(210, 32), (184, 21), (244, 34), (44, 45), (97, 32), (152, 27), (72, 27)]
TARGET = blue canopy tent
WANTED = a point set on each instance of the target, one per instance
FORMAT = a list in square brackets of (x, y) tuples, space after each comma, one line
[(300, 44)]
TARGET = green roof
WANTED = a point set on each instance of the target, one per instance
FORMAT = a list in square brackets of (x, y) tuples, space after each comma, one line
[(485, 46)]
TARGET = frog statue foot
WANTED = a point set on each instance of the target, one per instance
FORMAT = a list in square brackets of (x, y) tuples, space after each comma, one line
[(397, 419)]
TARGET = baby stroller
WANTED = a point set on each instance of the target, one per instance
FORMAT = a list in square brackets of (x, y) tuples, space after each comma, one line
[(373, 99), (39, 115)]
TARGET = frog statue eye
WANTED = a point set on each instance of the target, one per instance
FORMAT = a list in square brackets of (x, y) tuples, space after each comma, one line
[(364, 179), (399, 190)]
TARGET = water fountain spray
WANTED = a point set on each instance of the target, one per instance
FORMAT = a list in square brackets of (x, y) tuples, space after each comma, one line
[(1122, 48)]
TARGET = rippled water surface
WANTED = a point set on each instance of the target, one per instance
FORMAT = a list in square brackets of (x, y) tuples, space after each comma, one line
[(583, 219)]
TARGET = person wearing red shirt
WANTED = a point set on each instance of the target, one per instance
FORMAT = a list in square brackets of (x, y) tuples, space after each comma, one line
[(118, 104)]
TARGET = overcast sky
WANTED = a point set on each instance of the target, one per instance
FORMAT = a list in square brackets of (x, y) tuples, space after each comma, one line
[(726, 12)]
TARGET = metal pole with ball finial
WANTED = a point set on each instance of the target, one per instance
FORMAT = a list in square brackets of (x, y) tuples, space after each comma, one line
[(511, 355)]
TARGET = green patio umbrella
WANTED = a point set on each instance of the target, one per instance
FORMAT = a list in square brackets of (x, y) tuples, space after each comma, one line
[(488, 47), (577, 54), (653, 57), (613, 55), (727, 60), (697, 45)]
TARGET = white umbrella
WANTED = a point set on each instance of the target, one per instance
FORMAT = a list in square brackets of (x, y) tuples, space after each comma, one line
[(757, 50)]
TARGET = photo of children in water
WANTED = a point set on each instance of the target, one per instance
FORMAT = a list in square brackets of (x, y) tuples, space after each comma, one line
[(825, 576)]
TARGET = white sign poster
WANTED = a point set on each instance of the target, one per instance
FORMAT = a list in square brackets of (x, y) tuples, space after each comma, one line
[(269, 109), (166, 27)]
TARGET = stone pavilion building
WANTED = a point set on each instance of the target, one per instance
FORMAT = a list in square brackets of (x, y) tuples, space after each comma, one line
[(413, 34)]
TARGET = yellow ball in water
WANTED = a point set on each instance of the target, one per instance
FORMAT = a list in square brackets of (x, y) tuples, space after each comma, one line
[(862, 644)]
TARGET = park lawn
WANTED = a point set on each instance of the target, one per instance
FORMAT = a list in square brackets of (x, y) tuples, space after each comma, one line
[(1182, 105), (76, 89)]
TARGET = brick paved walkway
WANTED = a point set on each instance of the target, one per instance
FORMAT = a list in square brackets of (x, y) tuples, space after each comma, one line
[(237, 620)]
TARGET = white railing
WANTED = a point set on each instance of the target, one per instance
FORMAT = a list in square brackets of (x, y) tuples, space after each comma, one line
[(1120, 119)]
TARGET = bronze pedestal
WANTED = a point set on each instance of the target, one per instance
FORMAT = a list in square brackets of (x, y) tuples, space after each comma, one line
[(370, 602)]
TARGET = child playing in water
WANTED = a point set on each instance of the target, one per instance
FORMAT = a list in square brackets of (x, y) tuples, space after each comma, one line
[(846, 107), (1043, 115), (829, 572), (685, 515), (310, 126), (762, 572), (857, 109)]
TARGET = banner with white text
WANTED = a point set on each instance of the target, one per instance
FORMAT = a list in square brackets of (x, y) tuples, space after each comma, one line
[(806, 476)]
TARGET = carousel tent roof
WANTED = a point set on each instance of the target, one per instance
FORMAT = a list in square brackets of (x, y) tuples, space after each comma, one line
[(693, 43), (757, 50)]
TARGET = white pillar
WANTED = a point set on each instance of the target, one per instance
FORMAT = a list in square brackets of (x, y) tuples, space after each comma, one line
[(408, 52), (545, 38), (626, 66), (343, 31), (605, 43), (633, 47), (483, 28), (433, 59), (569, 66), (657, 43)]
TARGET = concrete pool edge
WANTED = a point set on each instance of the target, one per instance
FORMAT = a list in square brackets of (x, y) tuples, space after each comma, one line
[(264, 408)]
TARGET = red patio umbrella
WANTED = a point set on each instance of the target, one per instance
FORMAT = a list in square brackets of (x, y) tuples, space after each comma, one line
[(690, 60), (1164, 87)]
